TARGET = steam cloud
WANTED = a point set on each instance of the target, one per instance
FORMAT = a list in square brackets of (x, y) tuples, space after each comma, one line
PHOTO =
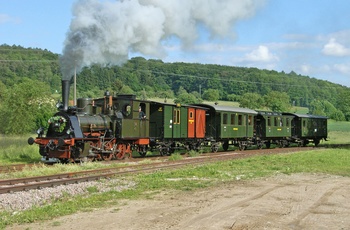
[(105, 32)]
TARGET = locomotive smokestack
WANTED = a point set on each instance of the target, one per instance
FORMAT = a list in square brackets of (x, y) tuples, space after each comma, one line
[(65, 94)]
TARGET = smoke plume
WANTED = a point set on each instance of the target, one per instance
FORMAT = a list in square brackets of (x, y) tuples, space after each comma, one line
[(105, 32)]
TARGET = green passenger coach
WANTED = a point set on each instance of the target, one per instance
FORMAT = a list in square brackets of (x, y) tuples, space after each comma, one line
[(308, 128), (230, 126), (273, 127)]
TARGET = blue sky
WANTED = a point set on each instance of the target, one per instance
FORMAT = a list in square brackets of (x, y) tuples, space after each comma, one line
[(309, 37)]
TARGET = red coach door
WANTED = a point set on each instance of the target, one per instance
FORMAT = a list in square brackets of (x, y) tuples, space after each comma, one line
[(200, 123)]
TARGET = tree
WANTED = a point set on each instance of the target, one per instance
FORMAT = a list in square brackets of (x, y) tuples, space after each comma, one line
[(232, 97), (325, 108), (187, 98), (211, 95), (2, 91), (251, 101), (277, 101), (344, 103), (317, 108), (26, 106)]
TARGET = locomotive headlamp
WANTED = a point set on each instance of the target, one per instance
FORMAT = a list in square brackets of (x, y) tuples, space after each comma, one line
[(59, 105), (40, 131), (69, 131)]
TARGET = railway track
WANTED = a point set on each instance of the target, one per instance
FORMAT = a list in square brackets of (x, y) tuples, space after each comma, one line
[(23, 184)]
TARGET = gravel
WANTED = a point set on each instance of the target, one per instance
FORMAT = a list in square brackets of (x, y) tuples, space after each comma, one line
[(23, 200)]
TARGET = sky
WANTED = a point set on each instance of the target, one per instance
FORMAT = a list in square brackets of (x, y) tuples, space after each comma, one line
[(309, 37)]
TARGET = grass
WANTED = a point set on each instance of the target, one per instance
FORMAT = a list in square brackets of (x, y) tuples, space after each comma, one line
[(15, 149), (338, 133), (341, 126), (329, 161)]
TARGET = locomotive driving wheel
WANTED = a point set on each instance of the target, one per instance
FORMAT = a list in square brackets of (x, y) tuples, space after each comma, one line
[(110, 147), (122, 150)]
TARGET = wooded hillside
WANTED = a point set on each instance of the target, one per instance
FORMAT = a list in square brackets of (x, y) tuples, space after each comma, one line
[(150, 78)]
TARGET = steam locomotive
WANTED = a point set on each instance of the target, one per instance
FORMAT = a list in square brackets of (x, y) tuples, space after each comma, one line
[(113, 127)]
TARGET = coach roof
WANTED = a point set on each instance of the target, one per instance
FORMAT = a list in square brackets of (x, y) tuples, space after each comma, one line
[(220, 108), (306, 115)]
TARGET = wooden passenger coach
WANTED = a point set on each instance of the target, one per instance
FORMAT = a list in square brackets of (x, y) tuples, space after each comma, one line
[(308, 128), (229, 126), (176, 126), (273, 127)]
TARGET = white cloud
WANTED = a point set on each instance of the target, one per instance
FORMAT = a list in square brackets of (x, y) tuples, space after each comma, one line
[(309, 69), (342, 68), (333, 48), (261, 54), (5, 18), (306, 69)]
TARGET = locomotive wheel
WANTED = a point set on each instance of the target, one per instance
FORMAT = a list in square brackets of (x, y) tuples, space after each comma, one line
[(121, 151), (108, 156)]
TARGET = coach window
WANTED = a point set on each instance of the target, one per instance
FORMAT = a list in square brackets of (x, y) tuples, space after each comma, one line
[(233, 118), (142, 113), (268, 121), (176, 116), (224, 119), (240, 119), (250, 118), (287, 121), (304, 123), (127, 110), (275, 121), (191, 115)]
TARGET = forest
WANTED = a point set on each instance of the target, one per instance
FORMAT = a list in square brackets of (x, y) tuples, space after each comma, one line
[(30, 85)]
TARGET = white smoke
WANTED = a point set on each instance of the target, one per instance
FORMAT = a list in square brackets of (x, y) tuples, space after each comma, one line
[(105, 32)]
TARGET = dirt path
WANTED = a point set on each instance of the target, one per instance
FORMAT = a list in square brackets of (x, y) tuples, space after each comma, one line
[(299, 201)]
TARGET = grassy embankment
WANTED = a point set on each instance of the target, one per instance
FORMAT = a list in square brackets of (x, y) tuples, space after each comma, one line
[(329, 160)]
